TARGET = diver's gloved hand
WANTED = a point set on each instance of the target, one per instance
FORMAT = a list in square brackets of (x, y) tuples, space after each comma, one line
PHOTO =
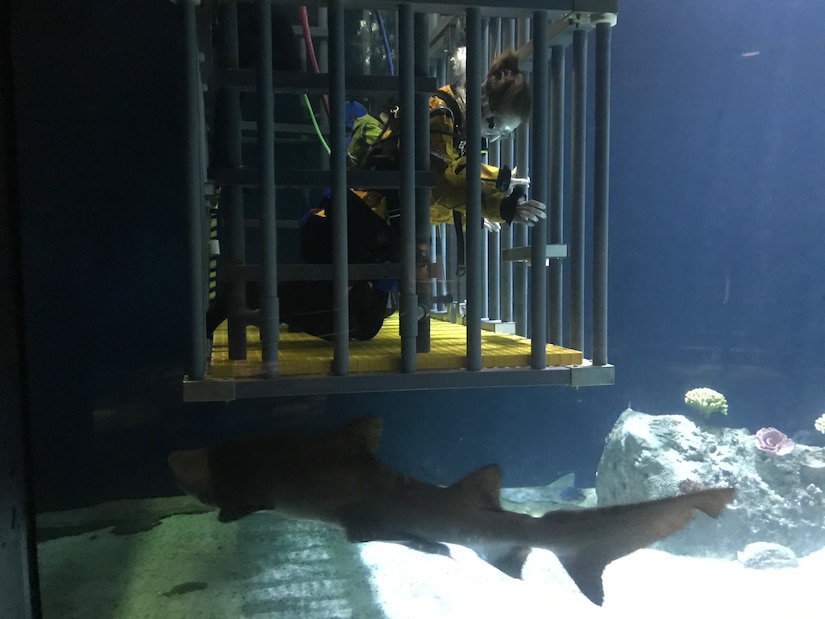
[(529, 212), (490, 225), (515, 209)]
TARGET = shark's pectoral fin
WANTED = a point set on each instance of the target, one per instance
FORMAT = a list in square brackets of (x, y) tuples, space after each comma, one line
[(508, 559), (428, 546), (359, 526)]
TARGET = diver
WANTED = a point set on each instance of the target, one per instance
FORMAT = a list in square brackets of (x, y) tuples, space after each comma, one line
[(373, 235)]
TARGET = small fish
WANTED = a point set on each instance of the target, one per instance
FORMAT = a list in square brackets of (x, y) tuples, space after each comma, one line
[(551, 493), (571, 494), (749, 54), (185, 587)]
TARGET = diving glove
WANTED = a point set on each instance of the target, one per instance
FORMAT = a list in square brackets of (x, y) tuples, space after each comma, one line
[(516, 209)]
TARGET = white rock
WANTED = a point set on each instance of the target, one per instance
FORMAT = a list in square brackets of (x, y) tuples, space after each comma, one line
[(766, 555), (653, 456)]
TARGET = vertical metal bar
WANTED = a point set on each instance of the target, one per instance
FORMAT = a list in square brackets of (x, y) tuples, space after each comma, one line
[(506, 157), (555, 218), (494, 154), (495, 37), (494, 275), (423, 228), (322, 44), (474, 264), (432, 21), (194, 197), (19, 583), (438, 69), (578, 161), (494, 239), (453, 281), (508, 33), (520, 232), (443, 265), (269, 312), (409, 301), (601, 169), (485, 274), (485, 158), (520, 283), (231, 196), (338, 174), (485, 44), (322, 53), (539, 189), (434, 260), (441, 70), (506, 285)]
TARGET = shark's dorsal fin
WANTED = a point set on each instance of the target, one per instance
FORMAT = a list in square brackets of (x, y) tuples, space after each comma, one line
[(481, 488), (361, 435)]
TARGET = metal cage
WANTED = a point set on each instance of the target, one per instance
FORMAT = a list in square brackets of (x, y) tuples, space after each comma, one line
[(515, 280)]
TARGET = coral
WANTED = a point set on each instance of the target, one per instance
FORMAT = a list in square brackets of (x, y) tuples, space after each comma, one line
[(773, 441), (819, 424), (706, 401)]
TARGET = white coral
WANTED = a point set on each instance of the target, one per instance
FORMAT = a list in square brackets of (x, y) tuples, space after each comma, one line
[(706, 401), (819, 424)]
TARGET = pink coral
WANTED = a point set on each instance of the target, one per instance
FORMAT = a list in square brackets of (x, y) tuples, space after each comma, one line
[(773, 441)]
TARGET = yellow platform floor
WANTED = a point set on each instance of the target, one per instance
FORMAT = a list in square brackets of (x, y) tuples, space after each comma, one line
[(302, 354)]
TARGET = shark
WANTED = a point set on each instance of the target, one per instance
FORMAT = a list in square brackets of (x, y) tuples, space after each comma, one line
[(336, 477)]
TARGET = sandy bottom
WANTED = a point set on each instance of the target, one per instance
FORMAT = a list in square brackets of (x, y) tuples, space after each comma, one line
[(267, 566), (647, 584)]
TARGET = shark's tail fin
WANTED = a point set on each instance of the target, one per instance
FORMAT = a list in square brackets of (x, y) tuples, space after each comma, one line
[(595, 537)]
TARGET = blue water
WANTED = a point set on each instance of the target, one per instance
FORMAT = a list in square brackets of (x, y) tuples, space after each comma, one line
[(717, 218)]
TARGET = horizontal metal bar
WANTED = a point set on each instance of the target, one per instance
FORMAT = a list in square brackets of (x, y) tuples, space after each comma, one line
[(493, 326), (226, 390), (592, 375), (318, 83), (312, 272), (560, 32), (488, 8), (522, 254), (251, 126), (374, 179)]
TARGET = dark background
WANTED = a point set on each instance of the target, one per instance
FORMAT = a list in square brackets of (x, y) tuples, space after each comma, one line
[(717, 218)]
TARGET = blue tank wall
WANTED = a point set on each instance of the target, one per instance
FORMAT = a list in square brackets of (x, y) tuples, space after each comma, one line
[(716, 223), (100, 113)]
